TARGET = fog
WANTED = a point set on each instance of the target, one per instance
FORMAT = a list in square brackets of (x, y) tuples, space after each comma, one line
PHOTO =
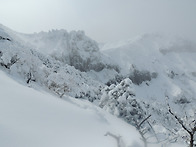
[(102, 20)]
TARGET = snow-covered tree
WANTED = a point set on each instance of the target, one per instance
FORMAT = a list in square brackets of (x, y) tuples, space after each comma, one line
[(120, 100), (46, 71), (185, 121)]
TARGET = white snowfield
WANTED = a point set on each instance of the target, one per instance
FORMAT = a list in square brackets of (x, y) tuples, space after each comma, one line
[(154, 52), (30, 118), (34, 118), (172, 58)]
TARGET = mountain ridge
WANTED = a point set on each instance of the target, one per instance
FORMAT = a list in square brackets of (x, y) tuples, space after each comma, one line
[(132, 81)]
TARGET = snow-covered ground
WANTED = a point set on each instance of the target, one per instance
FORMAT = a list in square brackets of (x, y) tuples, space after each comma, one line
[(30, 118), (162, 69), (71, 64), (154, 52), (172, 59)]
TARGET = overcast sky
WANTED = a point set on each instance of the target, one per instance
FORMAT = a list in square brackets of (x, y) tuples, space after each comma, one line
[(102, 20)]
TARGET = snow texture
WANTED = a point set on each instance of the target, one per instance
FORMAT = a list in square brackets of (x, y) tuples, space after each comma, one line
[(35, 118), (143, 76)]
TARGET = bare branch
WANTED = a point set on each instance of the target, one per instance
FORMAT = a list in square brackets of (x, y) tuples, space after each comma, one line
[(143, 121), (153, 131), (117, 138), (191, 132), (178, 120)]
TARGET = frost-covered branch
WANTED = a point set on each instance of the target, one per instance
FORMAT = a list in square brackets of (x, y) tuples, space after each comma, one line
[(13, 60), (117, 138), (143, 132), (140, 124), (190, 130)]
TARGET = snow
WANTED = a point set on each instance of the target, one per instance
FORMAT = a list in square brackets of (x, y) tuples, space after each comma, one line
[(173, 61), (103, 75), (35, 118), (152, 51), (63, 46), (160, 54), (46, 71), (53, 62)]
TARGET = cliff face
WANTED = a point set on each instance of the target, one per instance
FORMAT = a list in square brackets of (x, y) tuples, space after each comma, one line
[(74, 48), (50, 69)]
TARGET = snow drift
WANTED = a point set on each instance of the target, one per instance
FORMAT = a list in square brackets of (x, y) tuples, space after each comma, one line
[(34, 118)]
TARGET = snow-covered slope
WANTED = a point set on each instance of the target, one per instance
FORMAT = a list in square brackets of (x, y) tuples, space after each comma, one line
[(34, 67), (163, 80), (166, 65), (150, 51), (154, 70), (36, 119), (74, 48)]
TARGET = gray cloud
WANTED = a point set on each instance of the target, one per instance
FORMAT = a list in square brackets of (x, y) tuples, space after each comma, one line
[(103, 20)]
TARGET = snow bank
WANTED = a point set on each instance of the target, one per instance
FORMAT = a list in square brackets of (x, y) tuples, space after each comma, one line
[(34, 118)]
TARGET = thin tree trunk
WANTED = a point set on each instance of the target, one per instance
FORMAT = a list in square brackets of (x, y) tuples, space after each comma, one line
[(191, 140)]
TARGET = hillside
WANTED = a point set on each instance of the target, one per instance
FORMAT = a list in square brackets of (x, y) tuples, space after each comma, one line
[(33, 67), (35, 118), (162, 87), (158, 65), (145, 81)]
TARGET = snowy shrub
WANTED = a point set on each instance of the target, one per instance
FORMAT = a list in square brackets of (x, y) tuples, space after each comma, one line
[(85, 65), (171, 74), (138, 76), (116, 80), (8, 61), (60, 90), (120, 100), (33, 66), (92, 95), (181, 100)]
